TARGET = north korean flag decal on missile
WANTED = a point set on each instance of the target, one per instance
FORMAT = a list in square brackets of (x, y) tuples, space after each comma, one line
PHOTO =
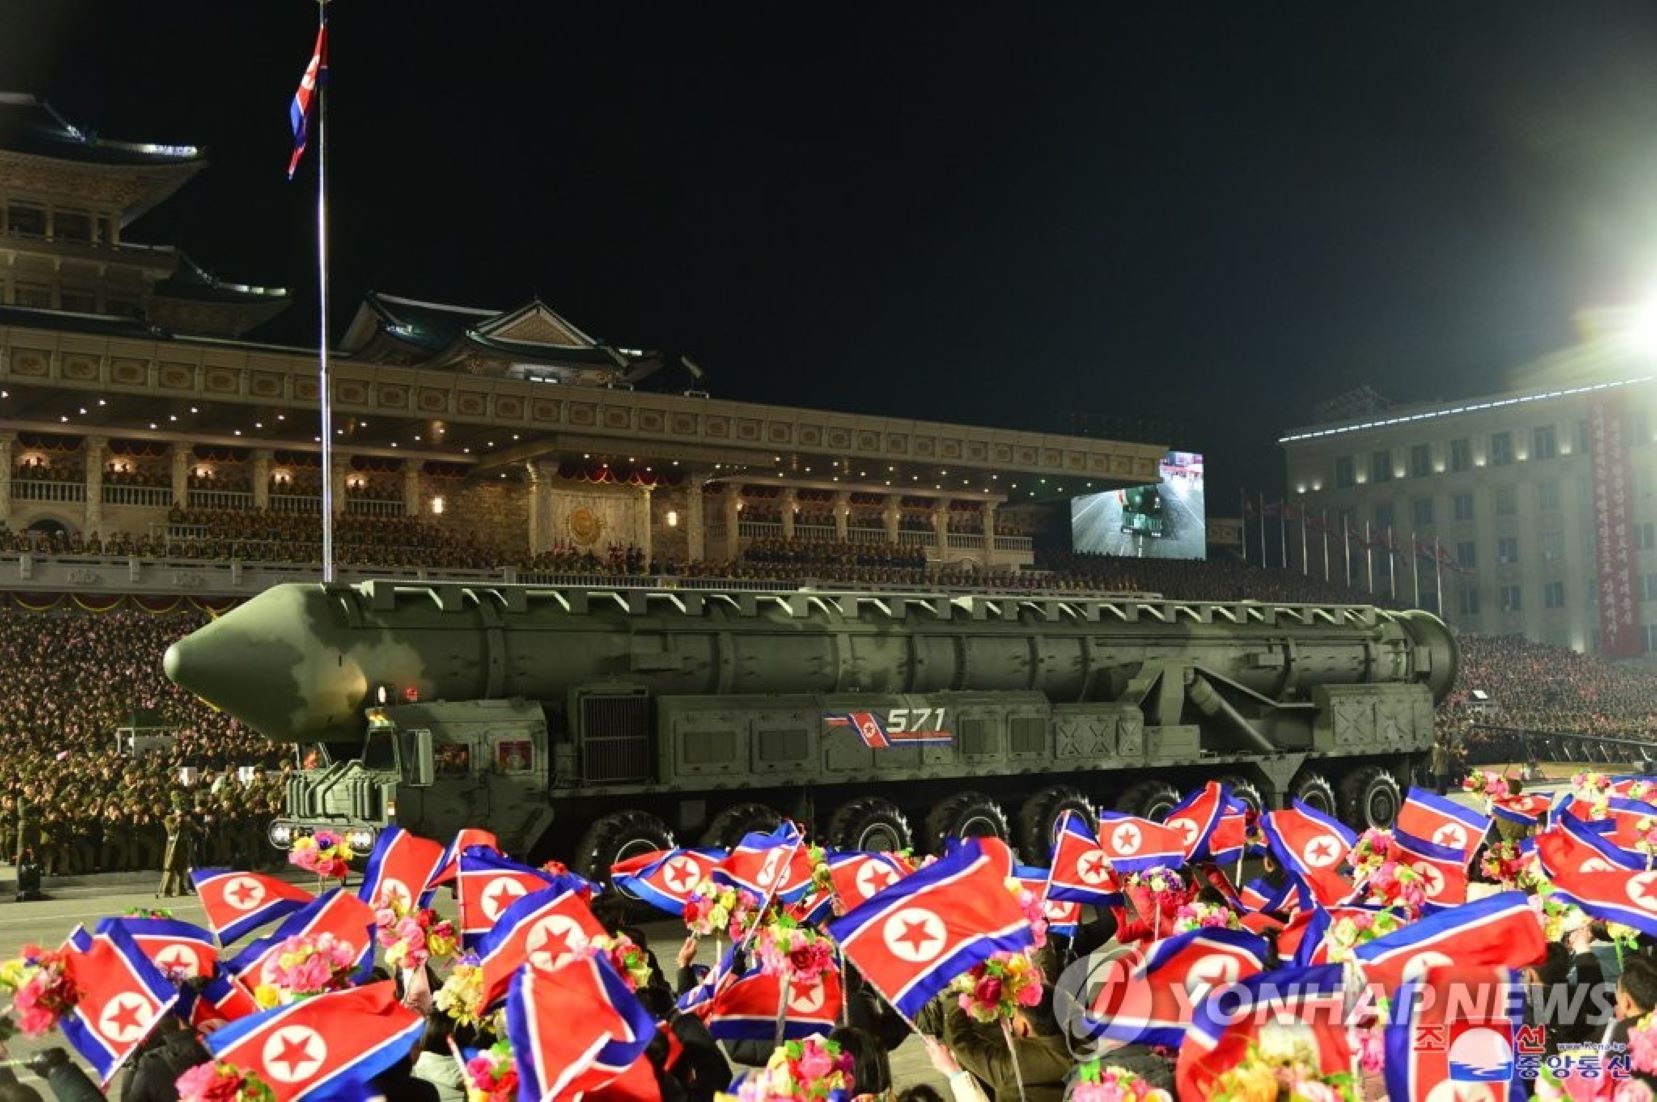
[(895, 727)]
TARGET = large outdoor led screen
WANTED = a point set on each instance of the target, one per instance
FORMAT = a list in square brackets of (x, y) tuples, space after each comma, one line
[(1166, 520)]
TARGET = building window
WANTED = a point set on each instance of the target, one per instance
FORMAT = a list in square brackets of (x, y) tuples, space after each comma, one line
[(1513, 599), (1648, 587), (1467, 600), (81, 302), (1645, 536), (1553, 546), (1380, 467), (1383, 517), (1547, 496), (26, 220), (1421, 511), (1461, 454), (1467, 554), (1463, 506), (1507, 501), (1501, 449), (1507, 550), (1553, 595), (1649, 633), (1345, 475), (72, 225), (37, 295), (1421, 461), (1543, 446)]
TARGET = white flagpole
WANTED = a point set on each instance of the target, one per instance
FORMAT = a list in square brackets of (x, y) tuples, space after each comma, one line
[(1243, 494), (323, 396), (1392, 566), (1369, 561), (1305, 564), (1415, 570), (1438, 573), (1326, 545)]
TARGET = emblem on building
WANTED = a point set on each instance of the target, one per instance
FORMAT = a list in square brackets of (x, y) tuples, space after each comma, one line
[(585, 525)]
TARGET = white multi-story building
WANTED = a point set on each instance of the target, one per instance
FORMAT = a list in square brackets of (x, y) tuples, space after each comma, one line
[(1507, 485)]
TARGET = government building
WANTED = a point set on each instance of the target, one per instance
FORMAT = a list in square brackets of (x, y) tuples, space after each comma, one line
[(150, 444)]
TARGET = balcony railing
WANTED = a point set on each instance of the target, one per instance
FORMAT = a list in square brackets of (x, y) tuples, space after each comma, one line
[(916, 538), (816, 532), (373, 507), (296, 503), (865, 535), (62, 492), (759, 529), (221, 499), (966, 541), (146, 496), (1013, 543)]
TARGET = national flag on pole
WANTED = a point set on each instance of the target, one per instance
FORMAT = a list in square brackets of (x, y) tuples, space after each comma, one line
[(322, 1046), (1442, 823), (237, 903), (1311, 847), (1197, 816), (575, 1029), (122, 997), (699, 999), (913, 938), (665, 878), (768, 864), (1146, 997), (857, 878), (465, 838), (1453, 1033), (1133, 844), (399, 868), (299, 112), (1443, 871), (221, 1000), (488, 884), (1625, 815), (746, 1009), (542, 929), (1224, 1024), (1062, 917), (1497, 931), (1527, 808), (1604, 880), (335, 912), (1081, 871), (177, 949), (1260, 894)]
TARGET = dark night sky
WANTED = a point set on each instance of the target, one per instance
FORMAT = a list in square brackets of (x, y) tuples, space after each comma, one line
[(995, 215)]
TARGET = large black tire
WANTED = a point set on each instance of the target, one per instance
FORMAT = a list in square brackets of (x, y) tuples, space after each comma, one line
[(1244, 789), (1370, 798), (1149, 800), (619, 835), (728, 827), (1314, 790), (870, 824), (1039, 815), (965, 815)]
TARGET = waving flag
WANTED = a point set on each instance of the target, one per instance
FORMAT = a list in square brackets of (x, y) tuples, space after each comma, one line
[(1498, 931), (1605, 881), (122, 997), (1081, 869), (488, 884), (1625, 815), (1224, 1024), (699, 999), (1230, 838), (1311, 847), (665, 878), (315, 1047), (1441, 823), (1454, 1029), (1062, 918), (1260, 894), (237, 903), (542, 929), (574, 1029), (859, 877), (465, 838), (299, 113), (1526, 809), (220, 1000), (1146, 997), (1443, 871), (175, 948), (1197, 816), (335, 912), (910, 940), (1137, 845), (399, 868), (769, 864), (746, 1009)]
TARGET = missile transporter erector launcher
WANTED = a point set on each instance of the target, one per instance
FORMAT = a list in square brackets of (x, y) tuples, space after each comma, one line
[(593, 723)]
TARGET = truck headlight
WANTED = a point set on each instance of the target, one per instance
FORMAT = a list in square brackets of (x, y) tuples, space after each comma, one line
[(360, 841), (280, 835)]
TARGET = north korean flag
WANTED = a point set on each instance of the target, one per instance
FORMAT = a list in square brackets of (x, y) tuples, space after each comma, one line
[(574, 1029), (177, 949), (1443, 871), (1147, 997), (399, 868), (542, 929), (318, 1047), (1133, 844), (746, 1009), (1197, 816), (1225, 1022), (464, 839), (859, 877), (122, 997), (664, 878), (1625, 815), (1498, 931), (1062, 917), (1442, 823), (237, 903), (1081, 870), (1604, 880), (1453, 1030), (336, 912), (488, 884), (914, 937), (220, 1000), (767, 864), (699, 999), (1260, 894), (1526, 809), (1312, 847), (1230, 838)]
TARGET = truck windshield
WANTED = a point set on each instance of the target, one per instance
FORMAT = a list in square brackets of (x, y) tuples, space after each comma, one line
[(380, 751)]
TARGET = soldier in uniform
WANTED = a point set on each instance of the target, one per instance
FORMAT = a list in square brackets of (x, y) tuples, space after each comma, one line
[(175, 860), (114, 855), (8, 829), (50, 846), (87, 831)]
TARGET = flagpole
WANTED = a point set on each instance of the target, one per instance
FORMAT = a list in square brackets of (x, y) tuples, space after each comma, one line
[(1243, 500), (1369, 561), (323, 396), (1283, 532), (1262, 530), (1326, 545), (1346, 541), (1415, 570), (1438, 572), (1305, 568)]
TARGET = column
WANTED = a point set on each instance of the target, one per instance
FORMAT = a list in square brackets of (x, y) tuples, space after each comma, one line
[(940, 523), (262, 459), (695, 531), (181, 474), (646, 522), (95, 449), (890, 514), (788, 507), (989, 530), (733, 517), (7, 439), (842, 514), (411, 492)]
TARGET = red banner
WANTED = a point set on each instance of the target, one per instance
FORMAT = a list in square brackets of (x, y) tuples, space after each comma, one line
[(1619, 619)]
